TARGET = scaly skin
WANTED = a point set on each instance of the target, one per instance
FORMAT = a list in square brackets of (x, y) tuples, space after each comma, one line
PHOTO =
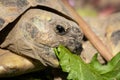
[(33, 38)]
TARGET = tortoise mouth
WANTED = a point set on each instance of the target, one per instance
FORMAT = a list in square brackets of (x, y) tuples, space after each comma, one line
[(75, 48)]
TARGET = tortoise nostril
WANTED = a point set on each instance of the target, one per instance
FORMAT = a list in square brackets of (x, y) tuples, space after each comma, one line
[(78, 49)]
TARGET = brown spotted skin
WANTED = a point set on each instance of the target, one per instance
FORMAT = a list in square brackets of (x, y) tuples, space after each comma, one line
[(37, 33), (30, 29)]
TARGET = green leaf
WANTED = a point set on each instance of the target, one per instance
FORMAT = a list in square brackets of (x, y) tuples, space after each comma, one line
[(111, 70), (73, 64), (102, 69), (114, 73), (99, 67), (78, 70)]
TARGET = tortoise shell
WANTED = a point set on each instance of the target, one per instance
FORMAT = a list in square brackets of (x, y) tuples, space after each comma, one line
[(12, 9)]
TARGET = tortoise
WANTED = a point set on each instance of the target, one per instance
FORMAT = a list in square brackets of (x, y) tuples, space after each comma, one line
[(29, 30), (108, 30)]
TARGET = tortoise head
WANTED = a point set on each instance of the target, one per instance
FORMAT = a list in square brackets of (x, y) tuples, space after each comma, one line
[(38, 32)]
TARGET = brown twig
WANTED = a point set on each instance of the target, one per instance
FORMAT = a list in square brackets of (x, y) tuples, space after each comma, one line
[(102, 49)]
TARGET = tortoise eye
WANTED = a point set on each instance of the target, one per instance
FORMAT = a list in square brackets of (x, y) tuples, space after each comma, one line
[(60, 30)]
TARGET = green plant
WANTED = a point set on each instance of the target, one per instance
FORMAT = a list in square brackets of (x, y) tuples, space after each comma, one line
[(79, 70)]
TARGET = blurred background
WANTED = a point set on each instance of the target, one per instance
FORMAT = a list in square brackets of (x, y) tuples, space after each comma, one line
[(101, 8)]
